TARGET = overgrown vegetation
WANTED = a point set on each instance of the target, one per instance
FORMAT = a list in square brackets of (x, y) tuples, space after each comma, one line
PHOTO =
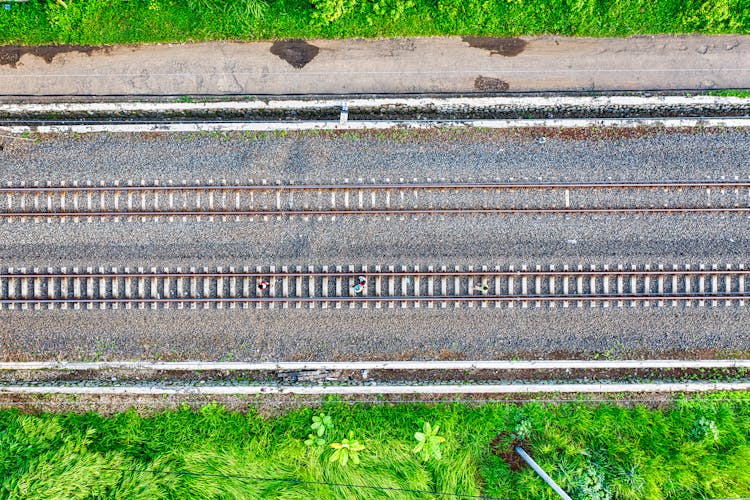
[(693, 449), (729, 93), (135, 21)]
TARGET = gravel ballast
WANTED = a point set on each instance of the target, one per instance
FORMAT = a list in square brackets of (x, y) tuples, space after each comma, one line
[(370, 334)]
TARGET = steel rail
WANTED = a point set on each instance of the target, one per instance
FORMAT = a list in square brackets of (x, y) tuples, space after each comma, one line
[(389, 211), (371, 274), (382, 186), (385, 298)]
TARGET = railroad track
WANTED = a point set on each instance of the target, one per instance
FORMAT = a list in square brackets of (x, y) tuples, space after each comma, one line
[(224, 199), (374, 286)]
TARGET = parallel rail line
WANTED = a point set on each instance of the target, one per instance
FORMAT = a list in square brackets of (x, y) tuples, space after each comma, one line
[(380, 286), (265, 199)]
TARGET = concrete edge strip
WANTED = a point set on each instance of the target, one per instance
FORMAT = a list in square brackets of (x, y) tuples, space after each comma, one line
[(382, 389), (376, 365), (421, 102), (561, 123)]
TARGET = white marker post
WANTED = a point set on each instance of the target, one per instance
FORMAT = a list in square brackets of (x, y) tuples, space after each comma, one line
[(344, 117)]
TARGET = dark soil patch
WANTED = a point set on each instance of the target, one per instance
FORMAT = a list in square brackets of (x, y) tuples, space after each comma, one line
[(488, 84), (11, 54), (508, 452), (508, 47), (296, 52)]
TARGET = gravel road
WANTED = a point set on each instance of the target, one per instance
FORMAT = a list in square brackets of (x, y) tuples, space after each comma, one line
[(349, 334)]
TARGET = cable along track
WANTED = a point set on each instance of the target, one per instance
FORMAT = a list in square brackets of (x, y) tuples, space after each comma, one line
[(379, 286), (264, 199)]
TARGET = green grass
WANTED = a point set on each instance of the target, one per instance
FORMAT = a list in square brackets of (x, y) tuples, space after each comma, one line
[(136, 21), (694, 449), (729, 93)]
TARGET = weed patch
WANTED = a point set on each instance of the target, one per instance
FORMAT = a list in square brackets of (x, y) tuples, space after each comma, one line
[(690, 449), (98, 22)]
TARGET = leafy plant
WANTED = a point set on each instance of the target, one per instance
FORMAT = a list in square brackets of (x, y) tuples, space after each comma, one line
[(522, 431), (428, 442), (328, 11), (704, 428), (392, 10), (320, 424), (589, 484), (348, 449)]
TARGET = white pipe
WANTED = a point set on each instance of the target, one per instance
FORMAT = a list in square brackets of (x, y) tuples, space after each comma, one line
[(379, 125), (381, 389), (542, 474), (379, 365)]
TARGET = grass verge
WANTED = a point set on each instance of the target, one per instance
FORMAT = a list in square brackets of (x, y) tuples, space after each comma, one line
[(692, 449), (729, 93), (137, 21)]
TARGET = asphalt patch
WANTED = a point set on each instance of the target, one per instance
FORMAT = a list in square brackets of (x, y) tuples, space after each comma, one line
[(11, 54), (488, 84), (296, 52), (508, 47)]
